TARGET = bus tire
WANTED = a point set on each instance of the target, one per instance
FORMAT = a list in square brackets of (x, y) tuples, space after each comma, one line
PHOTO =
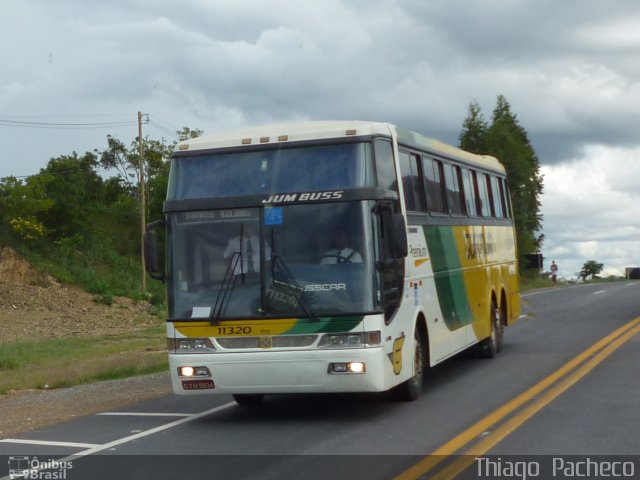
[(248, 398), (411, 389), (490, 346)]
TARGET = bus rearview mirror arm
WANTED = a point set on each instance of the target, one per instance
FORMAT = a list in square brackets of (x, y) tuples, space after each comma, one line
[(399, 234), (151, 263)]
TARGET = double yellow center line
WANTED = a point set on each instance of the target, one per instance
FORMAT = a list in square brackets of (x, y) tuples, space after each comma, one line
[(524, 407)]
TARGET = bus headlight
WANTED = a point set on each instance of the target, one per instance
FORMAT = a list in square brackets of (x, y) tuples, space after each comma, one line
[(350, 340), (190, 345), (194, 372), (347, 367)]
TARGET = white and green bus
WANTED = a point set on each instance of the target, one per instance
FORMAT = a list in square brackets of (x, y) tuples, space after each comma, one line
[(337, 256)]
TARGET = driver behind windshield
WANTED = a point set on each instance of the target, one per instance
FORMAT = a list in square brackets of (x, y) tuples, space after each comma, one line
[(342, 252)]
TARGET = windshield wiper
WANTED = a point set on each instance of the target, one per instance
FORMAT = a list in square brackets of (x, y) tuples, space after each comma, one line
[(226, 289), (295, 289)]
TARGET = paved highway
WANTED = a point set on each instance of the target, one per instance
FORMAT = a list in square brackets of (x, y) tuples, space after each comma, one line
[(564, 389)]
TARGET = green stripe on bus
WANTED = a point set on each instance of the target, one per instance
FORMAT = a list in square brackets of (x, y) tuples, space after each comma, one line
[(326, 325), (449, 276)]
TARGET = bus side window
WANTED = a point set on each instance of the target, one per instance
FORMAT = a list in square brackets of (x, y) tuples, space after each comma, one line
[(507, 197), (413, 195), (454, 191), (485, 206), (498, 197), (487, 182), (385, 170), (434, 185), (470, 193)]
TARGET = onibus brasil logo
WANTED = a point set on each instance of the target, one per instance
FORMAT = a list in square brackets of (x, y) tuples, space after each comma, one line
[(32, 468)]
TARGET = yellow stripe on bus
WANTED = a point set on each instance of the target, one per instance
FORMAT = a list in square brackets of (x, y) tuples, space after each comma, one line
[(236, 328)]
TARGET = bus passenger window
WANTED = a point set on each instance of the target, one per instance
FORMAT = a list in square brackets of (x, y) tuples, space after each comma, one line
[(485, 205), (487, 182), (470, 193), (454, 192), (433, 183), (505, 195), (413, 195), (498, 200)]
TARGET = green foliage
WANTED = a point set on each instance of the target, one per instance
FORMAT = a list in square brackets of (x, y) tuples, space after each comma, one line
[(27, 228), (508, 141), (590, 268), (74, 222), (105, 298), (474, 133)]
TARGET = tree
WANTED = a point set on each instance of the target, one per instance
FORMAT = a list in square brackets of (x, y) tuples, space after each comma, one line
[(126, 162), (187, 133), (590, 268), (75, 192), (508, 141), (474, 130), (18, 206)]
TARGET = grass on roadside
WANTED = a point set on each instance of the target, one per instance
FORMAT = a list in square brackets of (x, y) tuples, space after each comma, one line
[(531, 282), (63, 362)]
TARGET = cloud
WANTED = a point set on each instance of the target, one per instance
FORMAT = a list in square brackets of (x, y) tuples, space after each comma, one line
[(569, 70), (590, 209)]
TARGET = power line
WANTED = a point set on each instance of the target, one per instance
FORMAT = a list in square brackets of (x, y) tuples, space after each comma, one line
[(162, 128), (77, 115), (65, 125)]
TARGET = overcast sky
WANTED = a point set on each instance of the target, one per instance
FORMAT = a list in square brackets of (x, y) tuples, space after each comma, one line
[(569, 68)]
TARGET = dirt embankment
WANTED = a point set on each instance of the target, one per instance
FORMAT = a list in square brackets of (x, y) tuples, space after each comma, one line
[(33, 305)]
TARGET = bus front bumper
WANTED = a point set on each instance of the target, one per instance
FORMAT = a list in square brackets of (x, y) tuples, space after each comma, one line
[(313, 371)]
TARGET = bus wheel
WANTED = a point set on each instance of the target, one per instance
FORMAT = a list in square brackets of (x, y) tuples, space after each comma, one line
[(490, 346), (248, 398), (411, 389)]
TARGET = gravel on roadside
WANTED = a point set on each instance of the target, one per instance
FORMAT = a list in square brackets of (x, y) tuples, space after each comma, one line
[(24, 411)]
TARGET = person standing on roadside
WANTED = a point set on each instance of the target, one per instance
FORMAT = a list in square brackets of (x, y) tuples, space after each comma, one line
[(554, 272)]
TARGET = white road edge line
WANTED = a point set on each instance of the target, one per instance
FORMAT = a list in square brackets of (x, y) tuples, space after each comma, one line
[(151, 431), (47, 442), (145, 414), (120, 441)]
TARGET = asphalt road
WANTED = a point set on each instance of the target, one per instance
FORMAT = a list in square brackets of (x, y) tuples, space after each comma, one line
[(564, 389)]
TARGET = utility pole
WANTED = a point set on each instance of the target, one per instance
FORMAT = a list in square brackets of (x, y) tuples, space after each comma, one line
[(143, 226)]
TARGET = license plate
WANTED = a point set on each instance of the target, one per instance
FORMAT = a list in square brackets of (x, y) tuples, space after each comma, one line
[(197, 384)]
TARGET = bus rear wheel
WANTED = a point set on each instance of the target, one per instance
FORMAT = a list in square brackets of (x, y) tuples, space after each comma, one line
[(248, 398), (411, 389), (491, 345)]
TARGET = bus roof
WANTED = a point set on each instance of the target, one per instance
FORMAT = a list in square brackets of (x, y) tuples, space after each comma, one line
[(281, 133)]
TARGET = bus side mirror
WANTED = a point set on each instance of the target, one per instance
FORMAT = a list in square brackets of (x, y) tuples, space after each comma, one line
[(394, 233), (399, 235), (151, 260)]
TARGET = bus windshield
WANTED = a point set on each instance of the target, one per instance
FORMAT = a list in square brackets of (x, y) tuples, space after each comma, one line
[(283, 170), (295, 260)]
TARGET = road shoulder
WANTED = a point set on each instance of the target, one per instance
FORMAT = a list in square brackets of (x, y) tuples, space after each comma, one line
[(25, 411)]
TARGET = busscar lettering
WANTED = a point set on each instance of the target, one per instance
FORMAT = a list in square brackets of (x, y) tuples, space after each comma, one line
[(303, 197), (325, 287)]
